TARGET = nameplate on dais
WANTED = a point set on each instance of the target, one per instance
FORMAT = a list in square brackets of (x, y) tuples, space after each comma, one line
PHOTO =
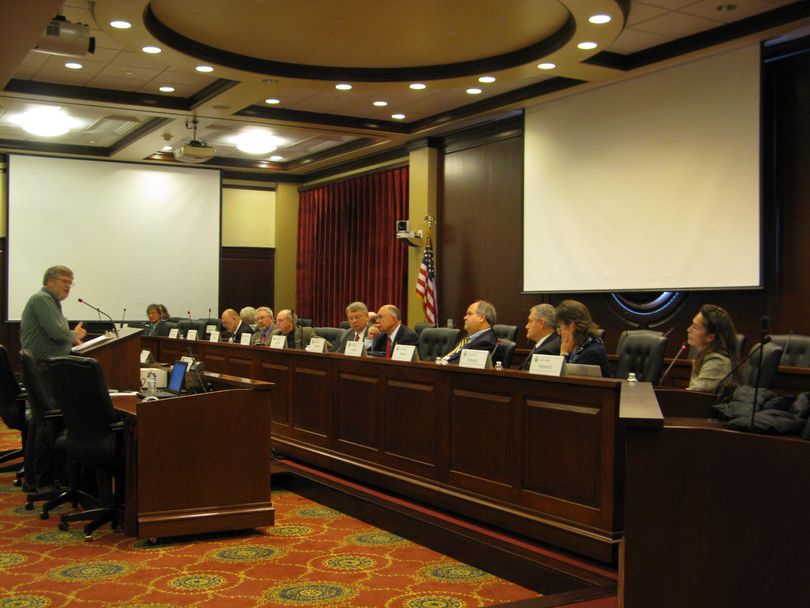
[(475, 359), (279, 341), (404, 352), (355, 349), (546, 365)]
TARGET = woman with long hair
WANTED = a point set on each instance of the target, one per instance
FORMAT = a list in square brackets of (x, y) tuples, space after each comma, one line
[(580, 341), (713, 335)]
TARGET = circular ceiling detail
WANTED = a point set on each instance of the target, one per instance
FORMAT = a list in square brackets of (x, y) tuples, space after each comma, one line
[(378, 41)]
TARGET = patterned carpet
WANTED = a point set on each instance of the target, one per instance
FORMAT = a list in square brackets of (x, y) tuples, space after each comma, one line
[(313, 556)]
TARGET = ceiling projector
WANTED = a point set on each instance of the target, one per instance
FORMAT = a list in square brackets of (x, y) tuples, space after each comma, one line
[(65, 39), (194, 152)]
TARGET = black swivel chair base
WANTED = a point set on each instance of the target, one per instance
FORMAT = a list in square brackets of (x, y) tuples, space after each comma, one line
[(98, 517)]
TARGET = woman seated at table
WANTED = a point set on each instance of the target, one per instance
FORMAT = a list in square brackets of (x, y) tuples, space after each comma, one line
[(713, 335), (156, 326), (579, 336)]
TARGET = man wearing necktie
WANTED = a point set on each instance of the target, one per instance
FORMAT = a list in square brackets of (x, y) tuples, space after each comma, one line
[(541, 328), (478, 322), (266, 323), (393, 331), (361, 329)]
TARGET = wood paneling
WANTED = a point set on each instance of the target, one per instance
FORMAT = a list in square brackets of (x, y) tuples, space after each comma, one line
[(459, 439), (247, 277)]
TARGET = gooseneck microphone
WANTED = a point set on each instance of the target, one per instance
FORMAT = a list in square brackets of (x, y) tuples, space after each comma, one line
[(188, 312), (196, 366), (681, 350), (123, 316), (764, 339), (101, 312)]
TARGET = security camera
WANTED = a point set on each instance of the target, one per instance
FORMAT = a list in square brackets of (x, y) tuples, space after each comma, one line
[(66, 39)]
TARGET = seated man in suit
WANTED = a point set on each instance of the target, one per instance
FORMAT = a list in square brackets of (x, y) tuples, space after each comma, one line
[(478, 322), (297, 337), (393, 332), (234, 326), (541, 328), (266, 324), (361, 329), (156, 326)]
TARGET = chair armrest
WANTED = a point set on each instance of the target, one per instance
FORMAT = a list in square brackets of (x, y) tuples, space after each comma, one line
[(117, 426), (53, 415)]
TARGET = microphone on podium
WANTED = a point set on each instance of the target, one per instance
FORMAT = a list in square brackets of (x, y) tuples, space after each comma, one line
[(681, 350), (123, 316), (101, 312)]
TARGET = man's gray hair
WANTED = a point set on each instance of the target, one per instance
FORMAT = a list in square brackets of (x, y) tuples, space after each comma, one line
[(266, 309), (488, 310), (395, 312), (356, 307), (54, 272), (544, 311)]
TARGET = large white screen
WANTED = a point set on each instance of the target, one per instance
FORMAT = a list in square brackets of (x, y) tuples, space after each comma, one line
[(650, 183), (132, 234)]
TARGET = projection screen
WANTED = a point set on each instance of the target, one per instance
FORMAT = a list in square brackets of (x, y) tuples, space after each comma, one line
[(132, 234), (651, 183)]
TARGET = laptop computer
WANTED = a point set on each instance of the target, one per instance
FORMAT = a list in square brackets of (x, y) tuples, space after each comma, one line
[(582, 369), (175, 384)]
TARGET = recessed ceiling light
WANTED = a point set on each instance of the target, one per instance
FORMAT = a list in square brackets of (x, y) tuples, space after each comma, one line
[(380, 104), (474, 91), (204, 68), (486, 79), (547, 66), (167, 148), (272, 101), (587, 46), (151, 49), (726, 8), (418, 86), (599, 19), (398, 116), (343, 86), (120, 24), (276, 158), (72, 65), (167, 89)]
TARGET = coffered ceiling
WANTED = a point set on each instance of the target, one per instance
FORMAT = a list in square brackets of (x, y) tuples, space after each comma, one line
[(273, 68)]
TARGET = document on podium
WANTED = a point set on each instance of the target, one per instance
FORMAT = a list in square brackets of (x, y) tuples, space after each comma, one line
[(80, 348)]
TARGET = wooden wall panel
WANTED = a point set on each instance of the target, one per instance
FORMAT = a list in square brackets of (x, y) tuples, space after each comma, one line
[(358, 407), (247, 276), (410, 421), (564, 451), (482, 456), (312, 405), (278, 373)]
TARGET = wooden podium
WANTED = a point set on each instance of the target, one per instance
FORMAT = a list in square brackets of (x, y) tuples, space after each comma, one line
[(119, 357)]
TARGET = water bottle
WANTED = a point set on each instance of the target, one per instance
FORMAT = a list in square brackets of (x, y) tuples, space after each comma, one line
[(151, 383), (498, 365), (631, 377)]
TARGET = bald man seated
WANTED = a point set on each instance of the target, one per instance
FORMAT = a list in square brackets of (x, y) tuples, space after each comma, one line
[(478, 324), (234, 326), (297, 337), (392, 330)]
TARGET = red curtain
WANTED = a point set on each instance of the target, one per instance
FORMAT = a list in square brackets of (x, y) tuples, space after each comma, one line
[(347, 248)]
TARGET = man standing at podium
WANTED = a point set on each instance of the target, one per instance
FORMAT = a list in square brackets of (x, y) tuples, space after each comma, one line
[(44, 331)]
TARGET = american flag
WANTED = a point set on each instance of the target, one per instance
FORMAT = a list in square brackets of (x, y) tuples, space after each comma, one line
[(426, 283)]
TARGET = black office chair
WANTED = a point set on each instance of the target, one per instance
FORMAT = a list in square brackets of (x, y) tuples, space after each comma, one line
[(12, 411), (436, 342), (170, 325), (795, 349), (641, 351), (420, 326), (344, 325), (504, 352), (304, 322), (45, 456), (206, 323), (508, 332), (330, 334), (771, 355), (94, 439)]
